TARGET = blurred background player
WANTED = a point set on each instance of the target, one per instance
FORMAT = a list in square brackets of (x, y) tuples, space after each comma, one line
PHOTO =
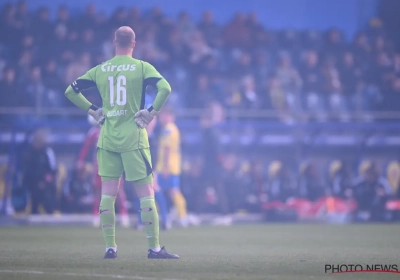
[(153, 130), (168, 165), (89, 146), (153, 133), (39, 175)]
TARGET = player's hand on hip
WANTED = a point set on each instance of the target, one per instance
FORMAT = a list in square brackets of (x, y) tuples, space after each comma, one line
[(98, 115), (144, 117)]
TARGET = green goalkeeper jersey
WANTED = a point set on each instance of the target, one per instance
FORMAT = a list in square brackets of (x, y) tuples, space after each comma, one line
[(122, 83)]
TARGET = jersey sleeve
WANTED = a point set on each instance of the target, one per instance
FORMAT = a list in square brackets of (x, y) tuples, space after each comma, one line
[(74, 91), (150, 72), (153, 78)]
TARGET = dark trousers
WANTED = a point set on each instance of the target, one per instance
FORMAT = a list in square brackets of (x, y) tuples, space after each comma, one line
[(45, 197)]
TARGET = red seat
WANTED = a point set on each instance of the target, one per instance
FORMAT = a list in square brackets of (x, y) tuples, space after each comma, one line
[(393, 205)]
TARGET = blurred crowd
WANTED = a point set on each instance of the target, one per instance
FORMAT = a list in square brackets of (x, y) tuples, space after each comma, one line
[(215, 182), (237, 65), (240, 64), (249, 185)]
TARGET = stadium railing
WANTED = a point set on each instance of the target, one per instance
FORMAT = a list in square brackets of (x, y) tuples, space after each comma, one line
[(232, 113), (70, 130)]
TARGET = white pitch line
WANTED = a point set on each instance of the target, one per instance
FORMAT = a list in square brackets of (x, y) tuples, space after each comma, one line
[(84, 275)]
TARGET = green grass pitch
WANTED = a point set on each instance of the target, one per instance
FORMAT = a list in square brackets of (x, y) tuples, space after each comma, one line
[(239, 252)]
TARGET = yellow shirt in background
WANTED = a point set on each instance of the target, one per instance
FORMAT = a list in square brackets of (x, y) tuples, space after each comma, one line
[(169, 138)]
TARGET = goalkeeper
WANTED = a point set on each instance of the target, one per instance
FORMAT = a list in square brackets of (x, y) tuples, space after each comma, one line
[(123, 143)]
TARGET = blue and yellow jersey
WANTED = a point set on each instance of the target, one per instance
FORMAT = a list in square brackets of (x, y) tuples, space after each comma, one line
[(169, 139)]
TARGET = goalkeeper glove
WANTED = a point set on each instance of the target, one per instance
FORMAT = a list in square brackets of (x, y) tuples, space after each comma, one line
[(97, 114), (145, 116)]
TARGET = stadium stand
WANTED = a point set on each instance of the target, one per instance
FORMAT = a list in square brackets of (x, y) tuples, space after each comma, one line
[(312, 95)]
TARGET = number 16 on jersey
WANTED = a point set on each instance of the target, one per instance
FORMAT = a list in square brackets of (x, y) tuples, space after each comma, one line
[(120, 87)]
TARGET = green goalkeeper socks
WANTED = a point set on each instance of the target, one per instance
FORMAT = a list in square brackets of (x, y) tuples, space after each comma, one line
[(149, 216), (107, 219)]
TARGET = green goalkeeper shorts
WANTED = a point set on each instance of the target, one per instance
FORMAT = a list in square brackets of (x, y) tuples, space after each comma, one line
[(136, 164)]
